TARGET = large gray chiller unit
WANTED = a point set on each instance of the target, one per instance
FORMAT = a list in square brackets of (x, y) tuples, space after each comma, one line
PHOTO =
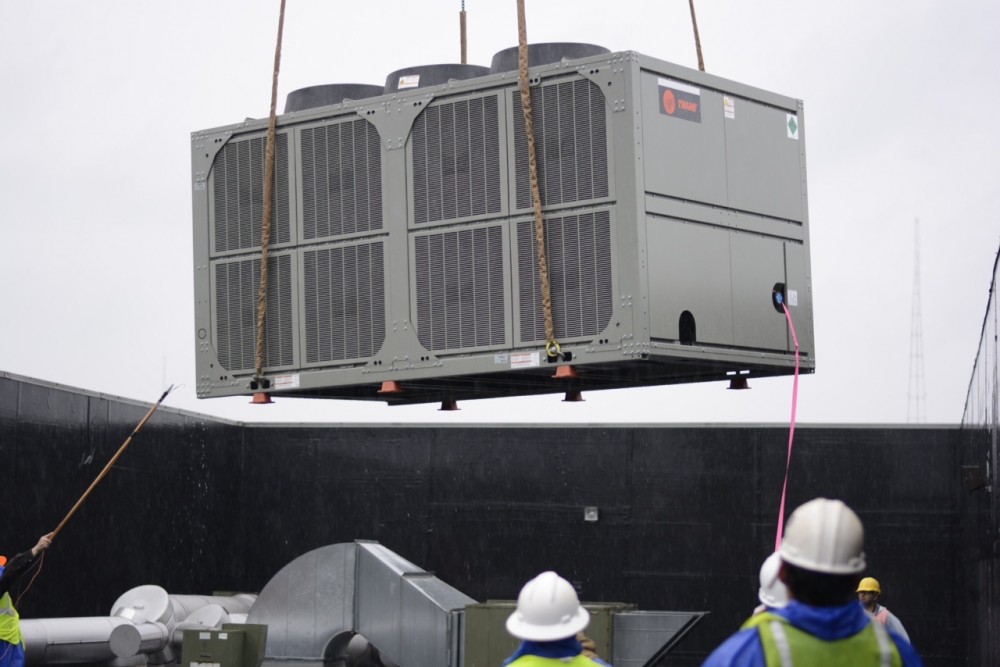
[(403, 237)]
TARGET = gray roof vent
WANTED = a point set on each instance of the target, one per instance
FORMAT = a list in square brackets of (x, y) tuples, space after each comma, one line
[(328, 94), (544, 54), (423, 76)]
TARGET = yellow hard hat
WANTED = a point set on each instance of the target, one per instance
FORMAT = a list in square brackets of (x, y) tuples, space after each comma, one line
[(869, 585)]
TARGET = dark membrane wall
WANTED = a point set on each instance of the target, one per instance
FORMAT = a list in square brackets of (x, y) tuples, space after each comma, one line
[(686, 514)]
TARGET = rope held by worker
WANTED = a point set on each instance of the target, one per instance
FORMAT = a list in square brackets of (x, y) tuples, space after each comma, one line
[(114, 459), (791, 430)]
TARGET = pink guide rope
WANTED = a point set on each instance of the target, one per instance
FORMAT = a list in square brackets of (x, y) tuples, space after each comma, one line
[(791, 430)]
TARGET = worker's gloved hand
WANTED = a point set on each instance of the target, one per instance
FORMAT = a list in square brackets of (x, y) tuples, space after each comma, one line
[(43, 543)]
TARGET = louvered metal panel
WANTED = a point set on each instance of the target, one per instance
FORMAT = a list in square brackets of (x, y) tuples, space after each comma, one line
[(460, 288), (571, 144), (580, 276), (235, 313), (456, 160), (238, 194), (344, 302), (341, 179)]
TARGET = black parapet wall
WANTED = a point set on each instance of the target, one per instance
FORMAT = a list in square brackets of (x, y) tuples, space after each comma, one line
[(685, 514), (157, 517)]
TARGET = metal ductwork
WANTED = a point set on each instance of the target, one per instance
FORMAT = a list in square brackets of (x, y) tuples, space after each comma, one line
[(354, 605), (319, 601), (321, 605)]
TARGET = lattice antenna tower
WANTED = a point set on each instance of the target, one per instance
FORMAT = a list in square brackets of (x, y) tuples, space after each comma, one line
[(915, 409)]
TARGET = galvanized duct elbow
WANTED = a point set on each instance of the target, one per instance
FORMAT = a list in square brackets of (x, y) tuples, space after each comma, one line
[(318, 601)]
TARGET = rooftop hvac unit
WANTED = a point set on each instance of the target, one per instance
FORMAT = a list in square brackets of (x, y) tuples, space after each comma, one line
[(403, 238)]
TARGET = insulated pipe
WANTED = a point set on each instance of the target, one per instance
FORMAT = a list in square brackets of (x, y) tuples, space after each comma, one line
[(54, 641), (209, 616), (128, 640), (143, 622)]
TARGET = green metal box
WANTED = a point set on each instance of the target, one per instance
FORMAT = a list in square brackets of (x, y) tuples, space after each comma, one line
[(487, 643), (235, 645)]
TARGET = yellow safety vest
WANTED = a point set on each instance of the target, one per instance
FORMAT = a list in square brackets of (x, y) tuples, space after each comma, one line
[(787, 646), (538, 661), (10, 626)]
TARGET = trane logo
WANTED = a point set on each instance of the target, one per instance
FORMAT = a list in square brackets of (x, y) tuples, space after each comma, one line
[(679, 100)]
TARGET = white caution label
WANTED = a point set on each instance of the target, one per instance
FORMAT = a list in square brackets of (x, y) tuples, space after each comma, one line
[(287, 381), (728, 106), (409, 81), (524, 360)]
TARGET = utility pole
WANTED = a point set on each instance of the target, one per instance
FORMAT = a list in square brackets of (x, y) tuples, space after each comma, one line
[(915, 394)]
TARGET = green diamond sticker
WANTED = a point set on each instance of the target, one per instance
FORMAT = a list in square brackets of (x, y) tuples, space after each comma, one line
[(793, 127)]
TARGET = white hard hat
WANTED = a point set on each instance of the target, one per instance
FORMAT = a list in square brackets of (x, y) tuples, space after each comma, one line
[(824, 536), (772, 590), (547, 610)]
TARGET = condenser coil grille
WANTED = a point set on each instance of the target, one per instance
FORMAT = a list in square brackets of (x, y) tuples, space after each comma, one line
[(580, 280), (236, 288), (238, 193), (341, 179), (456, 160), (344, 302), (571, 143), (460, 288)]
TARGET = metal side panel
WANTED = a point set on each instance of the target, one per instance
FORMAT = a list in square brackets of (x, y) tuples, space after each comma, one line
[(691, 274), (684, 149), (643, 637), (758, 265), (428, 605), (308, 603), (765, 158), (799, 288), (378, 605), (405, 611)]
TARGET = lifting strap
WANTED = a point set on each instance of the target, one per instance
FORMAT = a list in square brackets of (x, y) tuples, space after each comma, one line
[(265, 228), (461, 29), (697, 37), (551, 345)]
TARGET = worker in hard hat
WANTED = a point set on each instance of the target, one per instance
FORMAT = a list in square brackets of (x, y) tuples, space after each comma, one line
[(772, 592), (11, 650), (869, 592), (547, 619), (822, 556)]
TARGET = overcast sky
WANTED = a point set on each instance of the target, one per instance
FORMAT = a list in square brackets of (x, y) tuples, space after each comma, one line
[(100, 99)]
